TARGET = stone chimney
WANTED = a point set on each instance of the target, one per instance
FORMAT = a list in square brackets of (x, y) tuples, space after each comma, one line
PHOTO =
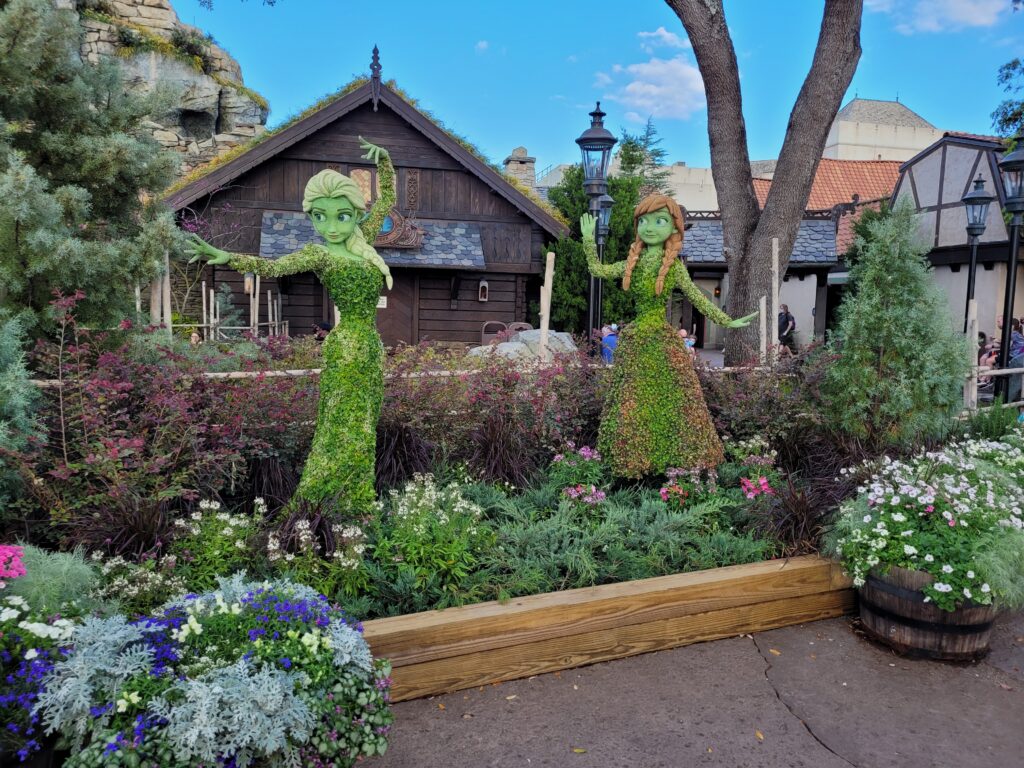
[(520, 166)]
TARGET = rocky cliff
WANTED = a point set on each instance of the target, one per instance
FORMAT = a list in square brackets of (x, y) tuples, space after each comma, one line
[(214, 111)]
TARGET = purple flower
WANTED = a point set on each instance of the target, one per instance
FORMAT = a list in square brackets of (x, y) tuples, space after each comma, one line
[(285, 662)]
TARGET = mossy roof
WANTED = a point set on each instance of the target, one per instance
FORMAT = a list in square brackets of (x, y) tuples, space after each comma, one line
[(212, 176)]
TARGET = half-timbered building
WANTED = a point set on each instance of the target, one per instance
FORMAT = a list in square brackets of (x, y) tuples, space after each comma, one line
[(934, 183)]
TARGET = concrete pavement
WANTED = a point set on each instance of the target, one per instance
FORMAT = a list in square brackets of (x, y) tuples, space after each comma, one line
[(811, 696)]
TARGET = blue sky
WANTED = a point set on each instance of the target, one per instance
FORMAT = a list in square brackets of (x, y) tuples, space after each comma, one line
[(526, 73)]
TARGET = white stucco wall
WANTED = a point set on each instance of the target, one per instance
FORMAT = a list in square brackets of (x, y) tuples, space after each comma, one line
[(800, 295), (874, 141), (989, 288)]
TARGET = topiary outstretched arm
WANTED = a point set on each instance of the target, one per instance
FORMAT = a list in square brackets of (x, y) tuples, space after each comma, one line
[(597, 269), (703, 304), (309, 258)]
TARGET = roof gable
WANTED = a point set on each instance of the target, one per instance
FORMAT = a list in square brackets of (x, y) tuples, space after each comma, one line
[(266, 149)]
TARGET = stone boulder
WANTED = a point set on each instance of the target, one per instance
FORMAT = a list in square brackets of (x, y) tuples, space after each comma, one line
[(558, 342), (513, 350)]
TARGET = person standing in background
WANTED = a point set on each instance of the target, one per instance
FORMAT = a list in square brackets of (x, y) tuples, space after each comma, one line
[(787, 330)]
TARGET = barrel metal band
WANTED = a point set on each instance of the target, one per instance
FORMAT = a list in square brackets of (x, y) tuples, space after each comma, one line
[(914, 595), (932, 626)]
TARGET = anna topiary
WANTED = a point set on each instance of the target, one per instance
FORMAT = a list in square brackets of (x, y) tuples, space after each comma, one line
[(900, 368), (655, 416)]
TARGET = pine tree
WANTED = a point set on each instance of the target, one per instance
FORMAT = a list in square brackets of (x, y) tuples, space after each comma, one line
[(641, 156), (75, 172), (901, 365)]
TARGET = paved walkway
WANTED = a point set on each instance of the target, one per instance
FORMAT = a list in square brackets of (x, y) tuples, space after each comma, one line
[(812, 696)]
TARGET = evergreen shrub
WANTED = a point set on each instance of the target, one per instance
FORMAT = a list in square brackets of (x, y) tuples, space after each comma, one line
[(900, 365)]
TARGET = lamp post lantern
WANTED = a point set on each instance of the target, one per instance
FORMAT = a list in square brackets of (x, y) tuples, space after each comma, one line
[(596, 147), (976, 202), (1012, 168)]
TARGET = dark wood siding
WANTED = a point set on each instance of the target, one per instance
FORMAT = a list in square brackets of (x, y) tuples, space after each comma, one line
[(430, 185)]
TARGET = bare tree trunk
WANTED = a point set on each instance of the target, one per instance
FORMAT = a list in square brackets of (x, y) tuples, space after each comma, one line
[(747, 231)]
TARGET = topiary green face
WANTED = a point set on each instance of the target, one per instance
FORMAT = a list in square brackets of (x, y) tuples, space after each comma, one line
[(656, 227), (335, 218)]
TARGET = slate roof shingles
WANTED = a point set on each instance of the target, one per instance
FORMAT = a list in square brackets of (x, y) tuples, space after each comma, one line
[(815, 243), (451, 244)]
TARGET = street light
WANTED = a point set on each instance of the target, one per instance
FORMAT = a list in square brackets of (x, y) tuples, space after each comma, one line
[(977, 202), (596, 146), (1012, 168)]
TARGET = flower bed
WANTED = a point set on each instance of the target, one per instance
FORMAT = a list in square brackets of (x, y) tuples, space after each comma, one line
[(251, 674)]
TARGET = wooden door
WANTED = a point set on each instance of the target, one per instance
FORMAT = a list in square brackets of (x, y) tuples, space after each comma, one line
[(396, 321)]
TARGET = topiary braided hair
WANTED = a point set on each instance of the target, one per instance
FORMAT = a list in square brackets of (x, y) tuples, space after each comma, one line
[(673, 245), (332, 184)]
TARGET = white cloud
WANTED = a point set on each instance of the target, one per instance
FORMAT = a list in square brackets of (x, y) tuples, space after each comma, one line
[(572, 58), (664, 88), (661, 38), (481, 46), (941, 15), (602, 79)]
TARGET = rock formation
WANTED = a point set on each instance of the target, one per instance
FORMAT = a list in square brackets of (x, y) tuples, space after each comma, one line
[(214, 111)]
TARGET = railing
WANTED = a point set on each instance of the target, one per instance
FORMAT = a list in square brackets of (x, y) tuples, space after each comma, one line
[(971, 382)]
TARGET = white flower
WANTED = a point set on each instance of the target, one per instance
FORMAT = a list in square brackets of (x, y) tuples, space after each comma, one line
[(940, 587), (947, 569), (970, 574), (967, 593), (909, 550), (9, 613), (895, 500), (986, 588), (899, 517), (867, 518), (929, 558), (30, 654)]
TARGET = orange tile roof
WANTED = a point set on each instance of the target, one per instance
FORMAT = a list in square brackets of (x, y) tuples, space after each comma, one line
[(837, 181), (844, 228)]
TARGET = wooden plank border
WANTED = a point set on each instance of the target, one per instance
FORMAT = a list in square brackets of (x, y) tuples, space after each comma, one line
[(441, 651)]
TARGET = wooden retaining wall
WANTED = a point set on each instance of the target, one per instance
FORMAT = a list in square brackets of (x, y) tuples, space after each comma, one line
[(440, 651)]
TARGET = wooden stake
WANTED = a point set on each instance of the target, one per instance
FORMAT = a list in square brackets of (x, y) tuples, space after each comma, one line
[(155, 300), (206, 327), (138, 300), (167, 294), (256, 308), (762, 311), (545, 306)]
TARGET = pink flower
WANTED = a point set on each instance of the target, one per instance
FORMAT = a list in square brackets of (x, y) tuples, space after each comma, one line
[(11, 566), (952, 523), (929, 508)]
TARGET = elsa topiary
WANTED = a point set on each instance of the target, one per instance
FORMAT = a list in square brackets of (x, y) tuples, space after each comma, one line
[(340, 466), (654, 415)]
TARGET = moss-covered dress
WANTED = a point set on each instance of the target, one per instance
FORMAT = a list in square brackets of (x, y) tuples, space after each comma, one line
[(655, 416), (340, 466)]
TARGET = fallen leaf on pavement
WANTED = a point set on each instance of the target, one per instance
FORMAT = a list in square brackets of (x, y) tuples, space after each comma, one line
[(774, 652), (468, 716), (1006, 687), (579, 750), (759, 735), (509, 698)]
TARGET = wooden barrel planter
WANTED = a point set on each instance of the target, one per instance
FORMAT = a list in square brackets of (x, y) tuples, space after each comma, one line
[(893, 611)]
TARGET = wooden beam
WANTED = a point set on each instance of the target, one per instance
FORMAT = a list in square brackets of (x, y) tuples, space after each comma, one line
[(447, 650)]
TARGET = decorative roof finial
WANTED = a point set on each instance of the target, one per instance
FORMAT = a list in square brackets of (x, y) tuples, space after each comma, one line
[(375, 77)]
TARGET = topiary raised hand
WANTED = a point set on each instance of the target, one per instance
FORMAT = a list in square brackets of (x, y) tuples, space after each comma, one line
[(655, 416)]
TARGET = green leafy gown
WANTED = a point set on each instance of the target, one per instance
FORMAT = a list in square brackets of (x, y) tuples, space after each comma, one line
[(340, 466), (655, 416)]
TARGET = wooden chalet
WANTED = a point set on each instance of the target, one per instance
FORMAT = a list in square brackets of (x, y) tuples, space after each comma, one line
[(464, 244)]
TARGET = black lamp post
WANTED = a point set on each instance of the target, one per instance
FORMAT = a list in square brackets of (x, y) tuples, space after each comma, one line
[(1012, 167), (977, 202), (596, 145)]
